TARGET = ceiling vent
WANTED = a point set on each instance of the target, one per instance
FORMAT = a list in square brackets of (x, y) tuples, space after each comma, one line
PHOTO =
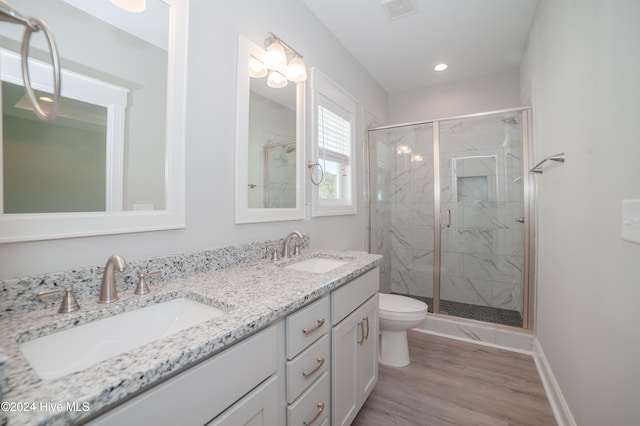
[(396, 9)]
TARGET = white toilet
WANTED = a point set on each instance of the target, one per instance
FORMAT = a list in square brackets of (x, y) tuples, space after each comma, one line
[(397, 314)]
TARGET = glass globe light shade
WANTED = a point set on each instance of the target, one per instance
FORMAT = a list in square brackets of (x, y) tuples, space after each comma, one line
[(296, 71), (276, 56), (276, 80)]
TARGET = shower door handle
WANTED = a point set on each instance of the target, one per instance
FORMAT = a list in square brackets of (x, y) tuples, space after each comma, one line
[(520, 219), (448, 218)]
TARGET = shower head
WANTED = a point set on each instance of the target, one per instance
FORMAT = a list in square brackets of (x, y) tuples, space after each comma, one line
[(288, 149)]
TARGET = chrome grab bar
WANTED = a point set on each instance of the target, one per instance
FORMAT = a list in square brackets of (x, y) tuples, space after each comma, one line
[(538, 167), (31, 25)]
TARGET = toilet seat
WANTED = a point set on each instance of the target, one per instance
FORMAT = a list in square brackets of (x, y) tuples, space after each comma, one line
[(401, 308)]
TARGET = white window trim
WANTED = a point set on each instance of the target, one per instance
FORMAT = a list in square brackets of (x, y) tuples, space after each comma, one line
[(322, 87)]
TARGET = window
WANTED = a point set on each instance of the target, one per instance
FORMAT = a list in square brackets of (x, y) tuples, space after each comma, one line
[(334, 119)]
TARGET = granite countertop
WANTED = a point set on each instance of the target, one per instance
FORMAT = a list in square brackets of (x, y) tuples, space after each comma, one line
[(253, 295)]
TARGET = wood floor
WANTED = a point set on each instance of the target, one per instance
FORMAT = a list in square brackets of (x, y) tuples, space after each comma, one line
[(450, 382)]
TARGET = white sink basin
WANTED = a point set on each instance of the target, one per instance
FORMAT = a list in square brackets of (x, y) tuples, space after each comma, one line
[(317, 264), (75, 349)]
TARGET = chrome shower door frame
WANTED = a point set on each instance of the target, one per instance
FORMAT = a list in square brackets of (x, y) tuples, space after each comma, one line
[(528, 273)]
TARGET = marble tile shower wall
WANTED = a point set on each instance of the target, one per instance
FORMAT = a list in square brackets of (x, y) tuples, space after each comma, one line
[(402, 208), (280, 174), (380, 205), (481, 183)]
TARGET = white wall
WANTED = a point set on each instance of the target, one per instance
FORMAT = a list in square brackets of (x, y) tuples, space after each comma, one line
[(484, 93), (214, 29), (582, 73)]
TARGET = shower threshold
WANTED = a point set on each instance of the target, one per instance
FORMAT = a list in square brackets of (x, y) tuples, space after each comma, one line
[(475, 312)]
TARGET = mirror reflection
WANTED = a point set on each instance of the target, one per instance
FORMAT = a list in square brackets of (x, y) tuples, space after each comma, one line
[(272, 146), (106, 149), (270, 133)]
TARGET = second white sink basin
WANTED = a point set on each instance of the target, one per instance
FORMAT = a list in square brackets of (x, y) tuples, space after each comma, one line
[(317, 264), (77, 348)]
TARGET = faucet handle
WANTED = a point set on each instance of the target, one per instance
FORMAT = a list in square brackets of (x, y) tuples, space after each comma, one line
[(274, 254), (142, 287), (296, 250), (69, 302)]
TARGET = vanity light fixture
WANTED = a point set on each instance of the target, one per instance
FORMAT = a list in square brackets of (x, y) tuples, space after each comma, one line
[(296, 71), (276, 80), (276, 56), (257, 68), (441, 67), (282, 64), (131, 5)]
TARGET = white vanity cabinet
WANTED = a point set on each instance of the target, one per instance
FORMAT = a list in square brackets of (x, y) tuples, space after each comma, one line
[(354, 343), (308, 364), (238, 386), (315, 368)]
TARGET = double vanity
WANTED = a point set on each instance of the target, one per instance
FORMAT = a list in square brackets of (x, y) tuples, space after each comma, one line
[(290, 341)]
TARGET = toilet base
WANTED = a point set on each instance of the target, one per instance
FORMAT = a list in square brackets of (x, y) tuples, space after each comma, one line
[(394, 349)]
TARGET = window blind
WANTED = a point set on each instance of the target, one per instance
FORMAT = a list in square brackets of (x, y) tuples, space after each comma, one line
[(334, 135)]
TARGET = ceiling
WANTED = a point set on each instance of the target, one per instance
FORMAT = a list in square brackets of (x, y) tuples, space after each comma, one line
[(474, 37)]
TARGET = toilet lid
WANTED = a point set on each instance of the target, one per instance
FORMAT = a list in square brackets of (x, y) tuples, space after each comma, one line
[(397, 303)]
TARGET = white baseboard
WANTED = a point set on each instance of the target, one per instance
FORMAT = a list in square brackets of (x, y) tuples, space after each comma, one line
[(559, 405)]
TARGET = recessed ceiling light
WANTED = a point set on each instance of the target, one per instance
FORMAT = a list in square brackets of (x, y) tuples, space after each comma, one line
[(441, 67)]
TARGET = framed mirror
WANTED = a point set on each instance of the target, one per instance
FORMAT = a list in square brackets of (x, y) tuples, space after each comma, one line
[(269, 169), (112, 161)]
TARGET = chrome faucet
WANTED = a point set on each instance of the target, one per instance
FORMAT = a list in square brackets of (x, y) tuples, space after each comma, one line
[(287, 242), (108, 291)]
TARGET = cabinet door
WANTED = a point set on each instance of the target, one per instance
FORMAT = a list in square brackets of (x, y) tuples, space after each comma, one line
[(368, 352), (345, 338), (259, 408), (354, 362)]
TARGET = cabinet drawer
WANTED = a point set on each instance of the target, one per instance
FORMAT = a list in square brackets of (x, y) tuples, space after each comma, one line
[(308, 366), (306, 326), (204, 391), (347, 298), (313, 405)]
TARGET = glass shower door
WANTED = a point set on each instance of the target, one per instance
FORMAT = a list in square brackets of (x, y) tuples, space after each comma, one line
[(401, 180), (482, 257)]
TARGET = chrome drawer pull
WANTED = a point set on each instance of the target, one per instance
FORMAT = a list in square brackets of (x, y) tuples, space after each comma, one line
[(312, 372), (320, 410), (366, 336), (361, 324), (308, 331)]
